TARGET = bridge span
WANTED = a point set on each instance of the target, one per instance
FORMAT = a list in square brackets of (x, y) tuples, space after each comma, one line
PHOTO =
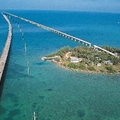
[(62, 34), (102, 49), (5, 52), (52, 30)]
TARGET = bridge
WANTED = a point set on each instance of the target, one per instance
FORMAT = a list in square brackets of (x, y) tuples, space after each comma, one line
[(4, 55), (52, 30), (62, 34), (102, 49)]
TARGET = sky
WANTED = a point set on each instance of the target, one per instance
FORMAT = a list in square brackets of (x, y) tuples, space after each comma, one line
[(66, 5)]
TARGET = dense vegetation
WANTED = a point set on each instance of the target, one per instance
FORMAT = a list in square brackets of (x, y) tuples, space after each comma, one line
[(112, 49), (90, 59), (60, 52), (95, 56)]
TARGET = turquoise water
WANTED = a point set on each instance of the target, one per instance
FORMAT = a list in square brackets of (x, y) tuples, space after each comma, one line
[(53, 92)]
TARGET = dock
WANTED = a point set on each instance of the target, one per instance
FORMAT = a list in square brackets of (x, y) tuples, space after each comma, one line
[(5, 52), (49, 58)]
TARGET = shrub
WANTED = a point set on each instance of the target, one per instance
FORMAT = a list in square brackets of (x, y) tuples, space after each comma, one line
[(91, 68), (115, 61), (73, 65), (102, 71), (50, 55), (82, 67), (110, 69), (57, 59)]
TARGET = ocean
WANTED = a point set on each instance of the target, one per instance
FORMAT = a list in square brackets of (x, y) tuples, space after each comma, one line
[(50, 91)]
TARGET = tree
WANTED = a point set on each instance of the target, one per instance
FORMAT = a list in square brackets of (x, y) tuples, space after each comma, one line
[(110, 69)]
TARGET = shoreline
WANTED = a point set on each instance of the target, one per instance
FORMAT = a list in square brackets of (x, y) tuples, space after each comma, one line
[(87, 60), (83, 71)]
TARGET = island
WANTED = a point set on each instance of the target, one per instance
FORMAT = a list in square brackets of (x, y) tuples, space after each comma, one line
[(87, 59)]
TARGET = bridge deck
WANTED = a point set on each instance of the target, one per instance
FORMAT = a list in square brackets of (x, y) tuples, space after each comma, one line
[(3, 57)]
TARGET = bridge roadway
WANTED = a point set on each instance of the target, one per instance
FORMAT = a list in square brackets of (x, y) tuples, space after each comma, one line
[(102, 49), (4, 56), (62, 34)]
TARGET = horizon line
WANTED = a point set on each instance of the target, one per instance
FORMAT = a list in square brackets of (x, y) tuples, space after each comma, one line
[(90, 11)]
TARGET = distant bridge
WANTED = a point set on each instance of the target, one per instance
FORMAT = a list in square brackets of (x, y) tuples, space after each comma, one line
[(52, 30), (62, 34), (4, 56)]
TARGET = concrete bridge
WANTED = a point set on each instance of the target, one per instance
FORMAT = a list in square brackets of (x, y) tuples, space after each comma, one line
[(99, 48), (4, 56), (52, 30), (62, 34)]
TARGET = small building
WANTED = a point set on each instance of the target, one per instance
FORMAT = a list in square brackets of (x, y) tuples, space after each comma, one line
[(116, 54), (75, 59), (92, 63), (99, 65), (108, 62)]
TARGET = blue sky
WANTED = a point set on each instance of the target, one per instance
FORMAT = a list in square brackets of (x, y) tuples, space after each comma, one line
[(71, 5)]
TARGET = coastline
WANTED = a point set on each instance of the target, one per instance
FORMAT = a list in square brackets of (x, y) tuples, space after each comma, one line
[(83, 71)]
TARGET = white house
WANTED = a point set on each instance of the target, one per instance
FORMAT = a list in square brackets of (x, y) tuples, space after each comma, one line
[(99, 64), (75, 59), (108, 62)]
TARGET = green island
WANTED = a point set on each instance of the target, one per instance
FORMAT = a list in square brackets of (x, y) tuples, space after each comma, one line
[(87, 59)]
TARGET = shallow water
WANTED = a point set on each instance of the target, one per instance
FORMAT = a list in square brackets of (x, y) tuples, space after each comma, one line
[(53, 92)]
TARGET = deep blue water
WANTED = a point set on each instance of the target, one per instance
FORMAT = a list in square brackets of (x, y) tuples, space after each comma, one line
[(53, 92)]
